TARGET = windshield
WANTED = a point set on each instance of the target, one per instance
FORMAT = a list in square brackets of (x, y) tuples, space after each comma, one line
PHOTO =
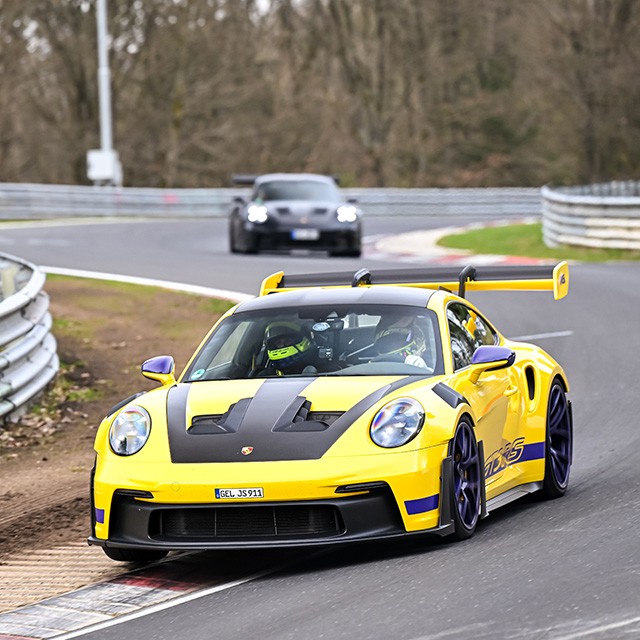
[(297, 190), (357, 340)]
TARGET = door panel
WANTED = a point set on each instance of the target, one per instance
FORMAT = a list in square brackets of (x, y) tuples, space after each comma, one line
[(492, 407)]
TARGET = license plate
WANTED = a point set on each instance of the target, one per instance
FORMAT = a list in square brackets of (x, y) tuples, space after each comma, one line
[(305, 234), (239, 494)]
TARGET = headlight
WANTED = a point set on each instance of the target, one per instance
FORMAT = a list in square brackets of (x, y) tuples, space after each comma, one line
[(347, 213), (129, 431), (397, 423), (257, 213)]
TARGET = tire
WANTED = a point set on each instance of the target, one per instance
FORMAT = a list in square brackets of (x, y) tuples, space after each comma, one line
[(233, 236), (248, 243), (232, 240), (558, 443), (134, 555), (466, 488)]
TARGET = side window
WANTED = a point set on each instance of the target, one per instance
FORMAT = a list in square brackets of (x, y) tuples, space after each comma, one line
[(481, 332), (462, 344), (468, 331)]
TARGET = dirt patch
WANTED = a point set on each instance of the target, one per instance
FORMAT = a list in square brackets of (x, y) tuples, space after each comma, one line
[(104, 332)]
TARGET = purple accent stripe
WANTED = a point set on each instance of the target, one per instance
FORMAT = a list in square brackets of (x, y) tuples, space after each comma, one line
[(534, 451), (422, 505), (100, 516)]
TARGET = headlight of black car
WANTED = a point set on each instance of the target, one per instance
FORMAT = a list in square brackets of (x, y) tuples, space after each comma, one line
[(257, 213), (347, 213)]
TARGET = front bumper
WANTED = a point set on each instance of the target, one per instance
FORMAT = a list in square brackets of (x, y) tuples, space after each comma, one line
[(405, 500), (204, 526), (346, 236)]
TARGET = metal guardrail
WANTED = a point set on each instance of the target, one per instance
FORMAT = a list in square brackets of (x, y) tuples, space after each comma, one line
[(40, 201), (605, 216), (28, 358)]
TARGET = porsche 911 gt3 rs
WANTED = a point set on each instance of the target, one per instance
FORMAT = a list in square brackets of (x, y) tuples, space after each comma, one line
[(294, 211), (337, 408)]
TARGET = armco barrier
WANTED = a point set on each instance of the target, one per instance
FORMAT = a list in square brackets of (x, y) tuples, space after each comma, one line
[(30, 201), (28, 358), (605, 216)]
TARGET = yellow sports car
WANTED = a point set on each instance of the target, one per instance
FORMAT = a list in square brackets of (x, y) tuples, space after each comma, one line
[(337, 408)]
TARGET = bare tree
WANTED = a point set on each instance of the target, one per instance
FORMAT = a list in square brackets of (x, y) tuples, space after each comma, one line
[(56, 75), (381, 92), (589, 51)]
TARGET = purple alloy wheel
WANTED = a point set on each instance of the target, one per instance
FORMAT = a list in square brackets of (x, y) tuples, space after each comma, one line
[(466, 476), (559, 436)]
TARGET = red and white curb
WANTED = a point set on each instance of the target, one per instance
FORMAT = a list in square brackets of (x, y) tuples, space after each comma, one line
[(129, 596), (421, 247)]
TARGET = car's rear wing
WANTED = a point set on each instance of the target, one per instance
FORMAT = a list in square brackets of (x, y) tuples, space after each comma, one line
[(244, 179), (470, 278), (248, 179)]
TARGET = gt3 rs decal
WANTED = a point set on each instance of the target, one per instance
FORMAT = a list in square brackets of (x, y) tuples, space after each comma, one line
[(422, 505), (260, 426), (511, 453)]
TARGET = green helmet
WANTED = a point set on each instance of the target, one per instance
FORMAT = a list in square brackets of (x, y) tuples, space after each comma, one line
[(285, 342), (403, 341)]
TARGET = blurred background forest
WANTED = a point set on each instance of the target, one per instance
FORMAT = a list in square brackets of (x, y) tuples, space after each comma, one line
[(406, 93)]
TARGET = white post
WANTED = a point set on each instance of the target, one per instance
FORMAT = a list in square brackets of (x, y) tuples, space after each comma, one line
[(103, 165), (104, 78)]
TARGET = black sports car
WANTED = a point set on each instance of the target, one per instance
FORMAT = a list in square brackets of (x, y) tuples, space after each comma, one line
[(294, 211)]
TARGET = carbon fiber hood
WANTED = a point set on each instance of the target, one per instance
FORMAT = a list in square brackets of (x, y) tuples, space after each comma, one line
[(275, 422)]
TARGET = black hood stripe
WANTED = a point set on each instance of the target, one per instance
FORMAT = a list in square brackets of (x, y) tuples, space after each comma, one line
[(265, 411)]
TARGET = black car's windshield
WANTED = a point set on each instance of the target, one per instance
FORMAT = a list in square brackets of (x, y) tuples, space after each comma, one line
[(297, 190), (314, 341)]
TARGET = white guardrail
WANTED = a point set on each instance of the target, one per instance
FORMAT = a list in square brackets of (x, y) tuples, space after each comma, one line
[(41, 201), (28, 358), (605, 216)]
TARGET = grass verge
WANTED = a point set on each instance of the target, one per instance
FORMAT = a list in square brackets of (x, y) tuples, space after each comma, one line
[(526, 240), (104, 331)]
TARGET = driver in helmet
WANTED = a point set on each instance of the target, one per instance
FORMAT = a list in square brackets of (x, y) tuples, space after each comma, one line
[(401, 341), (290, 350)]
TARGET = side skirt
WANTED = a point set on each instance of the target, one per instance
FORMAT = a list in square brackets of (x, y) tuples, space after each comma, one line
[(513, 494), (483, 489)]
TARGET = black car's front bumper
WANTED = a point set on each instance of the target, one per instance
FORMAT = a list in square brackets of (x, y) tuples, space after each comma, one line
[(342, 237)]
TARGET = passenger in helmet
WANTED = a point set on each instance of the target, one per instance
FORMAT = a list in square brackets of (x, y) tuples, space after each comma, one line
[(402, 341)]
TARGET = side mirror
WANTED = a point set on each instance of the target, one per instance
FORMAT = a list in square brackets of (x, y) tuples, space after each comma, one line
[(238, 199), (489, 358), (161, 369), (352, 200)]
